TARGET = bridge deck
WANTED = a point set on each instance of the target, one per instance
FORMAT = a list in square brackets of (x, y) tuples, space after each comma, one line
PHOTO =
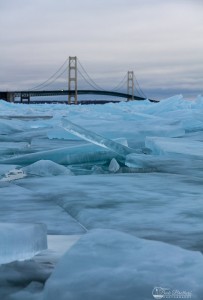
[(8, 95)]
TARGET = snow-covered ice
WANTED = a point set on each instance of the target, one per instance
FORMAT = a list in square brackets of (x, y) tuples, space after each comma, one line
[(110, 265), (119, 186)]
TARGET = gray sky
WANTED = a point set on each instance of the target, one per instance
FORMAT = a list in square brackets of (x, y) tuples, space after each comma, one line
[(161, 40)]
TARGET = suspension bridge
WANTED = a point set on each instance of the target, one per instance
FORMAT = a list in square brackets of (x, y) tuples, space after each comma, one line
[(76, 69)]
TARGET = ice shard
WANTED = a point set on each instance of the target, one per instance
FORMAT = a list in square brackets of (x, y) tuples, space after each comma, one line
[(96, 139), (20, 241), (67, 155), (114, 166)]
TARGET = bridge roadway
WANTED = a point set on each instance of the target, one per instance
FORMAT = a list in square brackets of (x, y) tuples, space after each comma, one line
[(26, 95), (80, 92), (67, 92)]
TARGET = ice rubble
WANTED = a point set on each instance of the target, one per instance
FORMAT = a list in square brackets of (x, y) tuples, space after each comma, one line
[(147, 203), (21, 241), (111, 265)]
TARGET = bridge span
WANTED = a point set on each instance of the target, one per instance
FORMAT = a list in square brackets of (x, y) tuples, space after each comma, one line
[(25, 96), (72, 92)]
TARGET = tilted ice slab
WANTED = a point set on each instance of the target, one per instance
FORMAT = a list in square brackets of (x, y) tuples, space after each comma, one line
[(20, 241), (67, 155), (96, 139), (110, 265), (177, 147), (165, 163), (46, 168)]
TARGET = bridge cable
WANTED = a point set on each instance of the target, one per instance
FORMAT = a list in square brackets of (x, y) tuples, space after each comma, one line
[(95, 85), (44, 83), (93, 82), (55, 79), (120, 85), (143, 94), (89, 83)]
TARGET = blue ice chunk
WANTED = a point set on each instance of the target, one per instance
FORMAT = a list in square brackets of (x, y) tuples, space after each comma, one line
[(20, 241), (64, 156), (96, 139)]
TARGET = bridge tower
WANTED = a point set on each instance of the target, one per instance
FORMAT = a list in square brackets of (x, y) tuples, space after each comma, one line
[(130, 85), (72, 80)]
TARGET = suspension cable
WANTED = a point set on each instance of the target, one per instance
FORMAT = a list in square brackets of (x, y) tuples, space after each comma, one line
[(143, 94), (93, 82), (121, 84), (44, 83), (54, 79), (87, 80)]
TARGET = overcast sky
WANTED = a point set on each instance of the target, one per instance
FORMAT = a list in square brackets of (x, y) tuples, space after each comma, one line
[(161, 40)]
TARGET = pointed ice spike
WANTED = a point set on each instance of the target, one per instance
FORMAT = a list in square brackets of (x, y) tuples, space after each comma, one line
[(96, 139)]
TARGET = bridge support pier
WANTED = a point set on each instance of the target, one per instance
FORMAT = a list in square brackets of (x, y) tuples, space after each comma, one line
[(130, 85), (72, 80), (25, 97), (10, 97)]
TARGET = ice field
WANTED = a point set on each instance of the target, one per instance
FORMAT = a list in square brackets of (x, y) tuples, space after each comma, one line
[(116, 190)]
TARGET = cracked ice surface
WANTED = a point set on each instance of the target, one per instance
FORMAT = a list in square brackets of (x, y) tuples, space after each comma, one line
[(146, 184)]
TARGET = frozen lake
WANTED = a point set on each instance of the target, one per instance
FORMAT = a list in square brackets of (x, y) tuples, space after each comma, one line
[(119, 189)]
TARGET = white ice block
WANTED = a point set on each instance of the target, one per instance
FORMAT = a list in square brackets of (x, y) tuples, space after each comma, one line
[(20, 241)]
